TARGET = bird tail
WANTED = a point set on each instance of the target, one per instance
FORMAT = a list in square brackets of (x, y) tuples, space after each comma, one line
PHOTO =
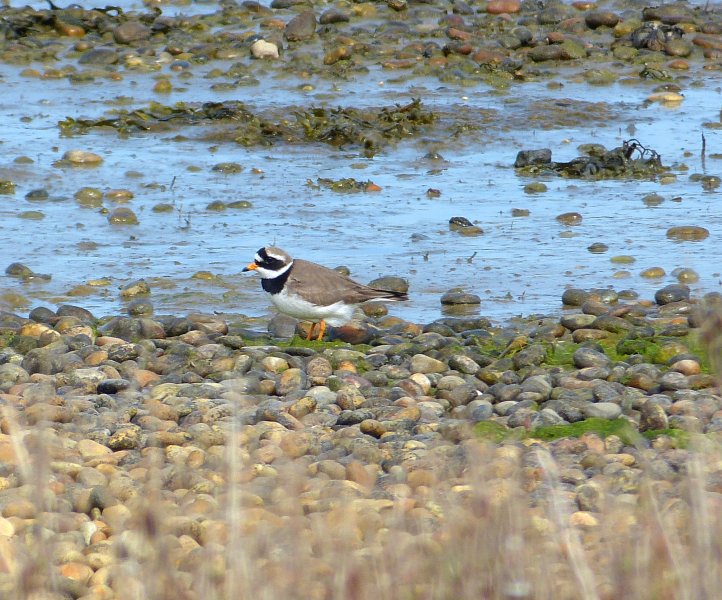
[(391, 296)]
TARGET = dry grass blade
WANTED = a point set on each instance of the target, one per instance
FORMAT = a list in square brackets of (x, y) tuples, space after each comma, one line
[(569, 536)]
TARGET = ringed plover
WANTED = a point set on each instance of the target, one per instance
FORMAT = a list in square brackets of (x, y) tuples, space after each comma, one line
[(311, 292)]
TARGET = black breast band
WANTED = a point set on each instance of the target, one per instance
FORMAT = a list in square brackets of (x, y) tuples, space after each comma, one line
[(275, 285)]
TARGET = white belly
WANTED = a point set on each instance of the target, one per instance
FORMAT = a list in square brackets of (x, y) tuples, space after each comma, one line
[(294, 306)]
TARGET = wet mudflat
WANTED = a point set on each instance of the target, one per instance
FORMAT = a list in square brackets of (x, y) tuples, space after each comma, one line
[(484, 112)]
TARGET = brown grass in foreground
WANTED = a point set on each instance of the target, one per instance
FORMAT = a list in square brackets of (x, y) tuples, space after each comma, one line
[(573, 519), (484, 522)]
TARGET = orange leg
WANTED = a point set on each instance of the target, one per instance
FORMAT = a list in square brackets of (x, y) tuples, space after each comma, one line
[(309, 335), (322, 327)]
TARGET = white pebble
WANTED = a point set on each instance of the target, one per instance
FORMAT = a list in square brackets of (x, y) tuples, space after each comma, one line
[(264, 49)]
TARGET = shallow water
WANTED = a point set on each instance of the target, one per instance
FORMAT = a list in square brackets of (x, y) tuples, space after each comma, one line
[(518, 266)]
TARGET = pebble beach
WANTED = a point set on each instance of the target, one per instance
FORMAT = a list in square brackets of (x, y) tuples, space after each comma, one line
[(188, 457)]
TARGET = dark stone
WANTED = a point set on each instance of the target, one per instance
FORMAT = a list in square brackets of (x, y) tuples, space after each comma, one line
[(276, 4), (175, 326), (19, 270), (439, 328), (686, 423), (574, 296), (390, 283), (353, 417), (462, 8), (122, 352), (68, 310), (541, 54), (112, 386), (301, 27), (351, 333), (676, 292), (99, 56), (460, 395), (101, 497), (546, 417), (554, 14), (577, 321), (47, 360), (481, 412), (135, 288), (78, 342), (675, 330), (601, 18), (522, 417), (670, 14), (525, 36), (39, 194), (526, 158), (333, 15), (612, 324), (125, 438), (455, 298), (533, 355), (131, 31), (569, 411), (132, 329), (397, 5), (256, 8), (41, 314), (505, 392), (459, 324), (608, 391), (23, 343), (588, 357), (140, 307), (460, 222)]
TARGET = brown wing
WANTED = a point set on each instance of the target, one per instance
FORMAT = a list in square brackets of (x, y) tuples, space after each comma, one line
[(325, 286)]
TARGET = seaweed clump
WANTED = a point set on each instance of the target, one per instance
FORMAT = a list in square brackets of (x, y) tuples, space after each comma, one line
[(371, 129), (631, 159)]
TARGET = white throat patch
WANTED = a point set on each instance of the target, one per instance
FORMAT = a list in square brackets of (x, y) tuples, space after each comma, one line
[(268, 274)]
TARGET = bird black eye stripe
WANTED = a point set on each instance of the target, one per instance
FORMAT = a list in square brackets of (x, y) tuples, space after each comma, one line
[(267, 261), (270, 263)]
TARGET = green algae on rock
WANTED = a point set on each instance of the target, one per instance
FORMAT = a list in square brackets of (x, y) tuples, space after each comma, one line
[(347, 185), (7, 187)]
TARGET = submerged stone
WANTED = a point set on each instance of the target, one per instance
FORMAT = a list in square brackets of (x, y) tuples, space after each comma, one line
[(687, 233), (123, 216)]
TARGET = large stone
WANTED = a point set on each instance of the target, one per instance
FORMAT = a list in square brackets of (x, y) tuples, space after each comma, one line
[(455, 297), (390, 284), (588, 357), (602, 410), (652, 416), (301, 27), (131, 31), (263, 49), (675, 292), (47, 360), (291, 380), (99, 56), (420, 363)]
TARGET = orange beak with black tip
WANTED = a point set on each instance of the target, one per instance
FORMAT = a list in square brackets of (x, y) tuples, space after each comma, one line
[(251, 267)]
